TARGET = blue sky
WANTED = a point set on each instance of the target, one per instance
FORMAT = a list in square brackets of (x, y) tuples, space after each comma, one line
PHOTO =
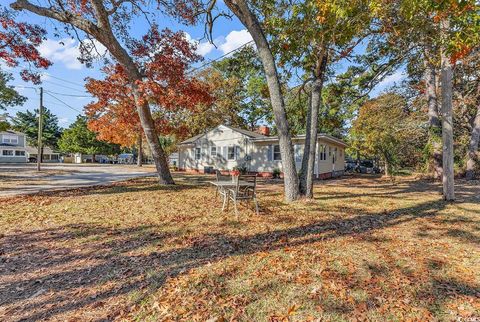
[(63, 81)]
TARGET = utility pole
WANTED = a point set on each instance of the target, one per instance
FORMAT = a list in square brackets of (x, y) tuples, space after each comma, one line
[(40, 130)]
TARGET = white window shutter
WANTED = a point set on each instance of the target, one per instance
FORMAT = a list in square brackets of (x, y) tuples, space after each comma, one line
[(237, 152), (225, 152), (270, 153)]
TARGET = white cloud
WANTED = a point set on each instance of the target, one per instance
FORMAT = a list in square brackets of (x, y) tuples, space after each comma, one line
[(64, 121), (19, 88), (225, 44), (388, 82), (234, 40), (398, 76), (65, 51), (203, 48), (45, 77)]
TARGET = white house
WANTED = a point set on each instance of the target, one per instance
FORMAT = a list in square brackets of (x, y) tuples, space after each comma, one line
[(226, 147), (173, 159)]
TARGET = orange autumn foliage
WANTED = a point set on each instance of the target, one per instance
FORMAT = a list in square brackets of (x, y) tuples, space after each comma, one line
[(167, 87)]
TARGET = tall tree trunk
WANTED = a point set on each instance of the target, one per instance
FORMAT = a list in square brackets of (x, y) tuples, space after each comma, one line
[(247, 17), (447, 120), (388, 171), (139, 150), (41, 154), (434, 123), (308, 161), (473, 146), (101, 29)]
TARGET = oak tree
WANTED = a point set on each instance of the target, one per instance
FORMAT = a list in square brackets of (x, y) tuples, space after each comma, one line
[(329, 32)]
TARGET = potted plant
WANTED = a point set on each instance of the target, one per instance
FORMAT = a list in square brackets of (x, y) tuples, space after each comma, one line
[(276, 173)]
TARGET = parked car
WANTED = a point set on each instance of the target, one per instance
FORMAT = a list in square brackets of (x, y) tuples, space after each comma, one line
[(367, 166), (350, 166)]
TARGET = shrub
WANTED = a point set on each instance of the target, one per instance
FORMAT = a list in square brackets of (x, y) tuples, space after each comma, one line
[(276, 173), (241, 168)]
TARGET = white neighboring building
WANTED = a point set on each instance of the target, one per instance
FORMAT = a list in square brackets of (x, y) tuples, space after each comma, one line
[(225, 147)]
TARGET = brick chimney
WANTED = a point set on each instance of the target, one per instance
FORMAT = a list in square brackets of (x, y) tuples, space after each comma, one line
[(264, 130)]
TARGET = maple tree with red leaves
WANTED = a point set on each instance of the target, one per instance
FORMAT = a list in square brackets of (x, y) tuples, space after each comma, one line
[(109, 23), (166, 87), (19, 42)]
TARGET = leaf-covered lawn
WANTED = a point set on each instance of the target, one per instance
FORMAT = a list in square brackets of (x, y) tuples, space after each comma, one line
[(365, 249)]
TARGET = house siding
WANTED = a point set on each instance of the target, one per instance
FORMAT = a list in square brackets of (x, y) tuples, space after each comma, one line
[(19, 146), (260, 154), (13, 159), (222, 138), (21, 138)]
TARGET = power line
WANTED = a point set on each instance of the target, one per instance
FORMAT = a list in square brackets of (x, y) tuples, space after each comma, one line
[(71, 95), (56, 77), (22, 86), (64, 80), (67, 87), (35, 98), (218, 58), (67, 105)]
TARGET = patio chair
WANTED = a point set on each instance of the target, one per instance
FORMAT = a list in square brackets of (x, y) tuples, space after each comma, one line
[(220, 190), (243, 192)]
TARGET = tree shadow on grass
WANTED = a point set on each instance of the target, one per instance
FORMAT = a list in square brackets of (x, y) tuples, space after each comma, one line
[(463, 190), (85, 268)]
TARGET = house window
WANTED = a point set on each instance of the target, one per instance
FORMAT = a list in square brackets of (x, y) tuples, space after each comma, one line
[(55, 157), (323, 153), (276, 153), (213, 151), (7, 153), (12, 139), (198, 153), (298, 153), (231, 153), (19, 153)]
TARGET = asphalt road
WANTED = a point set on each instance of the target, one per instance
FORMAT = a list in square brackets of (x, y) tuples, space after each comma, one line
[(21, 179)]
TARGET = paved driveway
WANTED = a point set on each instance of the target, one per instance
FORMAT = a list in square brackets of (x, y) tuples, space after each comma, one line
[(18, 179)]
